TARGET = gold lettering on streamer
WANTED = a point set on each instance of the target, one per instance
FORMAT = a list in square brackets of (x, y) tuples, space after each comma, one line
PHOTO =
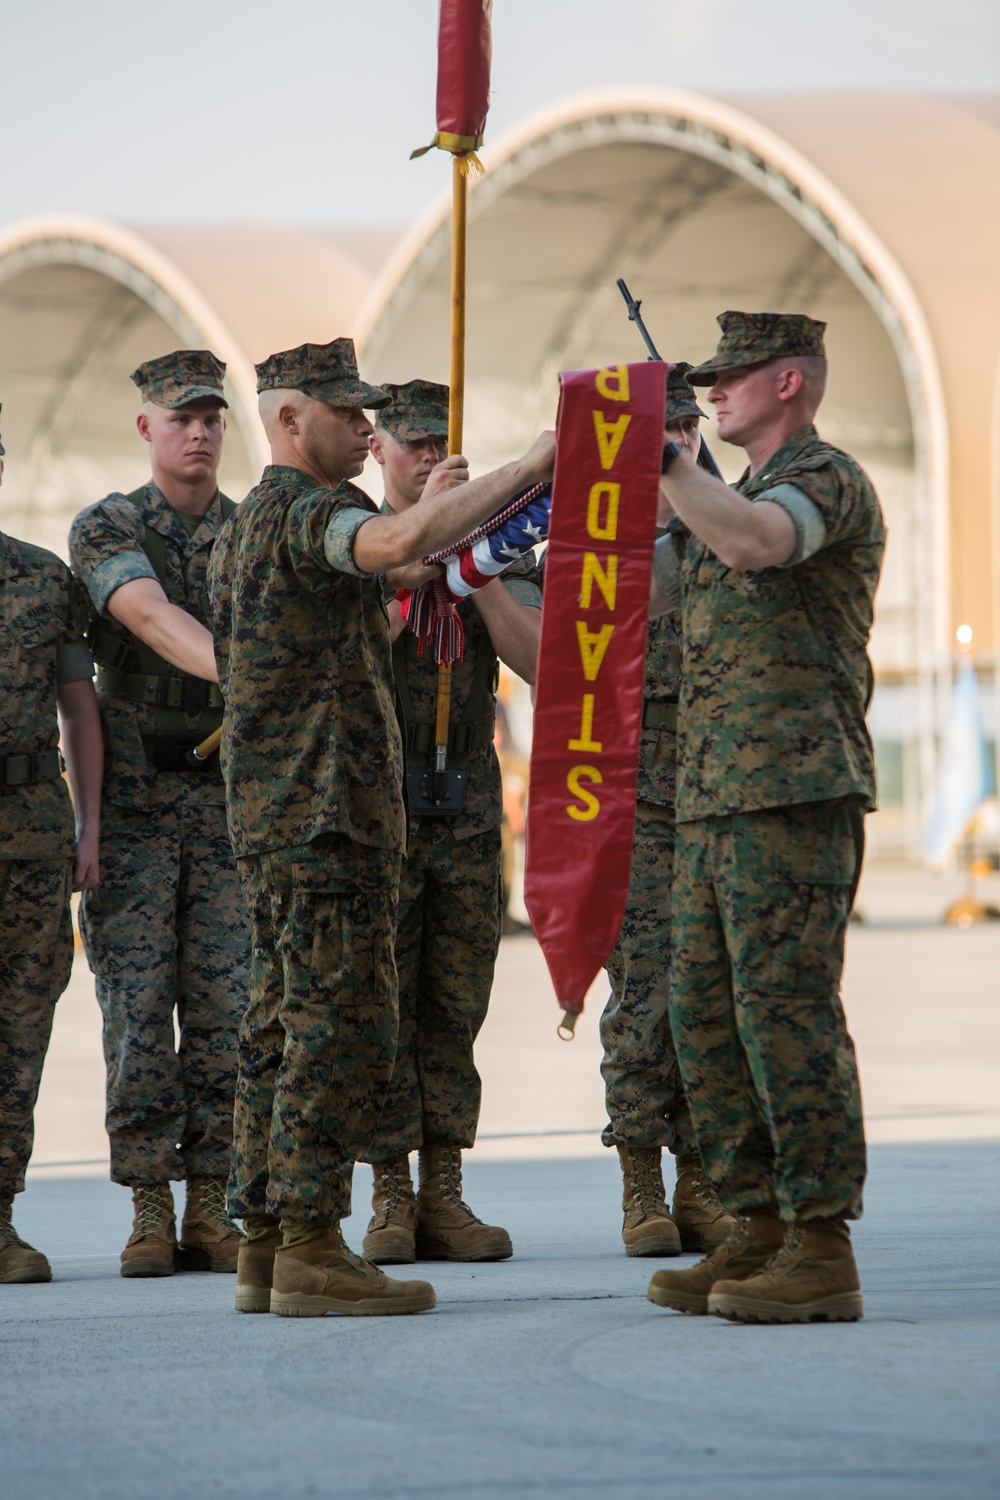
[(612, 383), (593, 644), (606, 530), (609, 436), (607, 582), (586, 742), (591, 807)]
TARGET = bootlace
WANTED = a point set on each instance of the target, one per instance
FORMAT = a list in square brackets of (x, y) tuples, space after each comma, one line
[(393, 1183), (648, 1189), (451, 1182), (150, 1209), (213, 1201), (786, 1251), (730, 1248), (704, 1191)]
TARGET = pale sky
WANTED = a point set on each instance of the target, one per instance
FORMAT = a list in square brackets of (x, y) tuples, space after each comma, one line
[(305, 112)]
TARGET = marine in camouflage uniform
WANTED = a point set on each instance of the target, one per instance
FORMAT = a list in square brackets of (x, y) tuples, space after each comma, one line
[(776, 774), (44, 665), (166, 934), (450, 901), (312, 758), (645, 1099)]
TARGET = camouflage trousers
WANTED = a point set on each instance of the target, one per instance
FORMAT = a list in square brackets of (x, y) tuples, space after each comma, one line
[(761, 903), (319, 1036), (166, 933), (644, 1095), (36, 955), (448, 933)]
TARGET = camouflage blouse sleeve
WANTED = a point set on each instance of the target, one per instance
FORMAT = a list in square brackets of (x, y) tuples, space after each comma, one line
[(105, 549), (833, 487), (74, 662), (523, 582), (321, 529)]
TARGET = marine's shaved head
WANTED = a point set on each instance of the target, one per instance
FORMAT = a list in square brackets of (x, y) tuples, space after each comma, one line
[(812, 368), (270, 402)]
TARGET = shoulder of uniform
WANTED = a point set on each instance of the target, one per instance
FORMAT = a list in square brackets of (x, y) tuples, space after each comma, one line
[(34, 559), (114, 507)]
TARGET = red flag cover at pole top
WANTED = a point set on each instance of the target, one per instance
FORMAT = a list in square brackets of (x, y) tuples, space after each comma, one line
[(465, 49), (591, 668)]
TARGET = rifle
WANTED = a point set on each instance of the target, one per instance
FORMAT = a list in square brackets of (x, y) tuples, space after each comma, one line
[(705, 459)]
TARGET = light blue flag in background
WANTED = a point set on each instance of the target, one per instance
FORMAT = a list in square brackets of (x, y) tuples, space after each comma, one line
[(964, 778)]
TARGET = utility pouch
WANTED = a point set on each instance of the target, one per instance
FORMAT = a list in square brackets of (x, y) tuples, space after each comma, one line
[(170, 751), (435, 794)]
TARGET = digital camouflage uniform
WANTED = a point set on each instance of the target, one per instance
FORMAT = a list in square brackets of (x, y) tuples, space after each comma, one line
[(166, 931), (776, 773), (42, 617), (450, 904), (313, 765), (450, 901), (643, 1092)]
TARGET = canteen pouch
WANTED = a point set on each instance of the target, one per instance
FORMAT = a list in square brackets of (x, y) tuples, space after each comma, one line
[(435, 794)]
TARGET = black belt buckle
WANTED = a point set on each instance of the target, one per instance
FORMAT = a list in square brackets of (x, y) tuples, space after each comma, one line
[(435, 794), (170, 750)]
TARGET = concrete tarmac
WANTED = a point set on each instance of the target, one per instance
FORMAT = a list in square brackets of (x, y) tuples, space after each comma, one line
[(549, 1375)]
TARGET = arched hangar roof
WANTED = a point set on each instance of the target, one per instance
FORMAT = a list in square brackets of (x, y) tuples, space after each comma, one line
[(879, 212)]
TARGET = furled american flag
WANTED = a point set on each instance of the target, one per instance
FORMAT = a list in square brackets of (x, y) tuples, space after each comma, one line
[(477, 564)]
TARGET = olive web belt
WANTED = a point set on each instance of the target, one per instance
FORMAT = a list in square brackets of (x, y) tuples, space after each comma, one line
[(657, 715), (188, 693), (26, 769)]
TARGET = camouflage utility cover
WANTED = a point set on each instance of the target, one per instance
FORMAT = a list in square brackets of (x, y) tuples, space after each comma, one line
[(681, 401), (776, 671), (326, 372), (310, 744), (186, 375), (419, 409), (42, 618), (106, 550), (751, 338)]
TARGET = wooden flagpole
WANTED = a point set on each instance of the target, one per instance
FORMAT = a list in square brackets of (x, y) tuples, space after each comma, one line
[(456, 404)]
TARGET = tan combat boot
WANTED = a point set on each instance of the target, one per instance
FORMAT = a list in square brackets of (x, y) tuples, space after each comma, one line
[(647, 1228), (813, 1278), (757, 1235), (210, 1241), (390, 1240), (255, 1263), (319, 1275), (18, 1262), (701, 1220), (447, 1229), (152, 1245)]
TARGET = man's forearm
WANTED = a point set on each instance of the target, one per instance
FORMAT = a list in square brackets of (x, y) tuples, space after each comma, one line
[(743, 534), (166, 628), (83, 748), (514, 628), (387, 542)]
